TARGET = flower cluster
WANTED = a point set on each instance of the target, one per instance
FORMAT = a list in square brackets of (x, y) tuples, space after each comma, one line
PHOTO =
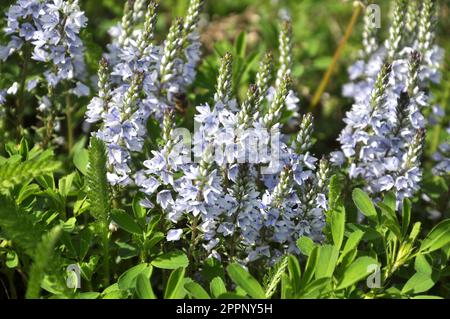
[(248, 194), (146, 80), (47, 31), (384, 129)]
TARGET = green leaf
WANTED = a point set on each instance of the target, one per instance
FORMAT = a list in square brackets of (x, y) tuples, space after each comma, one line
[(389, 219), (406, 216), (126, 222), (217, 287), (143, 288), (172, 260), (69, 225), (315, 288), (306, 245), (241, 44), (139, 211), (246, 281), (419, 282), (390, 200), (230, 295), (287, 291), (364, 204), (335, 190), (328, 255), (422, 265), (174, 284), (437, 238), (20, 226), (338, 225), (357, 271), (81, 160), (351, 244), (116, 294), (128, 279), (310, 267), (196, 291), (46, 181), (154, 239), (65, 184), (414, 231), (152, 223), (14, 172), (12, 259), (84, 242), (212, 268), (27, 191), (88, 295), (23, 148), (295, 272)]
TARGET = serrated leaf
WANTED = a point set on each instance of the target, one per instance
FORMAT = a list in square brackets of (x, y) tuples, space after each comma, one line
[(98, 186), (44, 252), (14, 172)]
